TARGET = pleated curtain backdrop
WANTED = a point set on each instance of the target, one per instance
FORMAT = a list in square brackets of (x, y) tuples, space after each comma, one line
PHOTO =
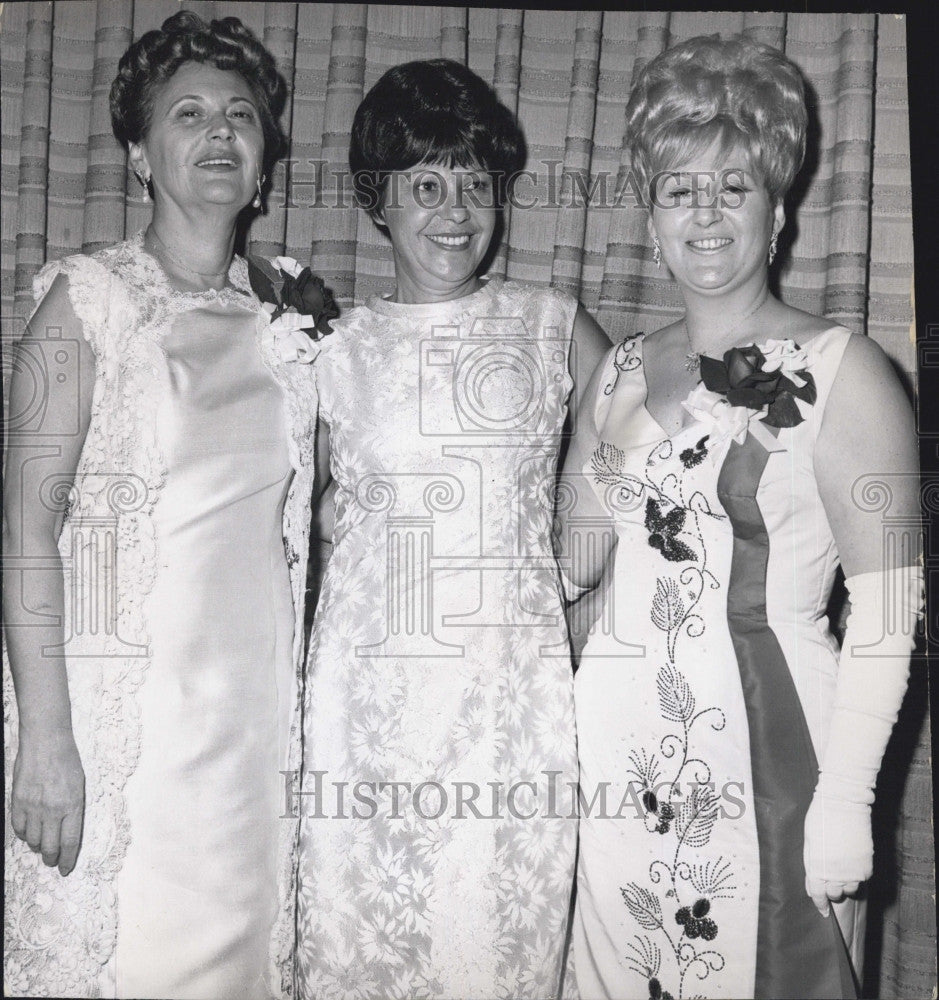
[(846, 251)]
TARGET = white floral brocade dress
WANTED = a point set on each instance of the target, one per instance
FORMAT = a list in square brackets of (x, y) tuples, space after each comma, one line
[(438, 715), (704, 698), (184, 555)]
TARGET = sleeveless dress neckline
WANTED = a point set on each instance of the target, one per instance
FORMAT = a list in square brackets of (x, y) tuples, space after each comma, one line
[(639, 340)]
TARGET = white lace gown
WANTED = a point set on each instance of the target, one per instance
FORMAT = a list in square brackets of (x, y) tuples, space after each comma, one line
[(439, 658), (195, 472)]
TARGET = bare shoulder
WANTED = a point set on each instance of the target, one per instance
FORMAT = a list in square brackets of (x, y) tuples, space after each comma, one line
[(864, 366), (801, 326), (587, 328), (865, 352), (665, 341), (867, 402), (867, 372), (666, 334)]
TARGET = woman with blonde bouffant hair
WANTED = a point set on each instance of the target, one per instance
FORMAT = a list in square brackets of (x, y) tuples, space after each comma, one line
[(724, 450)]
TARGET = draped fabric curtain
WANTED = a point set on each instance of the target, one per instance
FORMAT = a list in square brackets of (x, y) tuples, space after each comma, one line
[(846, 251)]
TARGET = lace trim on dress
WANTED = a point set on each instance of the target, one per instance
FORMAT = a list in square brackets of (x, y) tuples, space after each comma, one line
[(61, 933)]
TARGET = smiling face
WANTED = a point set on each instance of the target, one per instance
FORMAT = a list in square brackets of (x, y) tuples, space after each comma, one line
[(714, 220), (440, 221), (205, 142)]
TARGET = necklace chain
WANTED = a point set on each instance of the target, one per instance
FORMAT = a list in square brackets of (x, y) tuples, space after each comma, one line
[(180, 263), (693, 358)]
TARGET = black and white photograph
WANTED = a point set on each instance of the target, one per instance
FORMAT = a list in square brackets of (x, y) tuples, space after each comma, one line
[(467, 487)]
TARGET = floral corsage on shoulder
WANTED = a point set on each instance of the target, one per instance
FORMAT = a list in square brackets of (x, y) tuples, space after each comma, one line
[(751, 389), (299, 304)]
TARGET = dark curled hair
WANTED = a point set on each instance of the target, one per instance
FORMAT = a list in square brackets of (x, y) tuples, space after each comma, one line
[(226, 44), (432, 111)]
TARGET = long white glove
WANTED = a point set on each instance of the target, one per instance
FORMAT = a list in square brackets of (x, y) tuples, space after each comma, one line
[(872, 679)]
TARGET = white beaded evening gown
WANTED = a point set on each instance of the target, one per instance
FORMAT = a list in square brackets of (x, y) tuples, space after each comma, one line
[(703, 701)]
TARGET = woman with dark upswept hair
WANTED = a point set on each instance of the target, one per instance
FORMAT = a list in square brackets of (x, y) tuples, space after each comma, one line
[(146, 856)]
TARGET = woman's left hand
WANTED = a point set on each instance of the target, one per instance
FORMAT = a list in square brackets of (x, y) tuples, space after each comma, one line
[(838, 851)]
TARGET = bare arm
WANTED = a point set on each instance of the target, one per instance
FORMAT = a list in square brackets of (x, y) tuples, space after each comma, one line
[(577, 540), (867, 435), (581, 524), (583, 529), (323, 474), (48, 783), (590, 344)]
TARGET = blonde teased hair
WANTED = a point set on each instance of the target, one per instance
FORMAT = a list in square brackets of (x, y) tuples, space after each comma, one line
[(735, 91)]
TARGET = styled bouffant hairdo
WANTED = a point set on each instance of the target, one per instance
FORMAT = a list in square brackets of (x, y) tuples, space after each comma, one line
[(735, 91), (432, 111), (226, 44)]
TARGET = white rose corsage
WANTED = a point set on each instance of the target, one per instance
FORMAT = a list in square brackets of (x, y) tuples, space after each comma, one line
[(298, 302), (750, 390)]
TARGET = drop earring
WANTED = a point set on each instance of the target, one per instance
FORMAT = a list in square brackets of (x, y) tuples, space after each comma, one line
[(257, 198), (773, 246), (656, 251), (145, 184)]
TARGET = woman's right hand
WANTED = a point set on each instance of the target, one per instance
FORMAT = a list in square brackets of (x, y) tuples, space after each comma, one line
[(48, 798), (47, 806)]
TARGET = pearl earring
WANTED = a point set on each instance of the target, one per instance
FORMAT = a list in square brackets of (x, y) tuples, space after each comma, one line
[(772, 246), (257, 198), (656, 251)]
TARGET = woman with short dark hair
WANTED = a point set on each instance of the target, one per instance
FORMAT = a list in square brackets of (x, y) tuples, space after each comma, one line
[(166, 502), (729, 455), (438, 715), (436, 111)]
